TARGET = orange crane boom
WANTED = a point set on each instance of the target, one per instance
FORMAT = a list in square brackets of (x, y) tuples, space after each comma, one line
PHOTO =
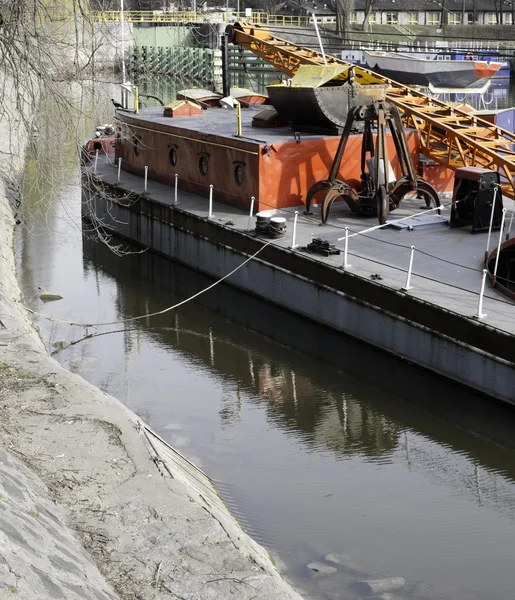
[(449, 136)]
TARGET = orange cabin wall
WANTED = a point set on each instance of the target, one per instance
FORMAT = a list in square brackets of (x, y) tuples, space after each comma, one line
[(222, 154), (439, 176), (288, 171), (279, 178)]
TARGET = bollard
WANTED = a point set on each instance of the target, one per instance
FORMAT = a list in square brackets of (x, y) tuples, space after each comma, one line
[(119, 168), (146, 179), (491, 223), (251, 211), (210, 215), (294, 233), (499, 244), (408, 278), (176, 182), (511, 223), (480, 314), (96, 161), (346, 265)]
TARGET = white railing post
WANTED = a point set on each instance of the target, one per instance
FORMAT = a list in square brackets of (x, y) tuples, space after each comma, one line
[(119, 168), (410, 267), (176, 184), (511, 222), (210, 215), (251, 212), (294, 233), (480, 314), (96, 161), (346, 249), (499, 243), (491, 224), (146, 178)]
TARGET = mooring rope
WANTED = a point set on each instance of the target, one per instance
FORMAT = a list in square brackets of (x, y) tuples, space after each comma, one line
[(154, 314)]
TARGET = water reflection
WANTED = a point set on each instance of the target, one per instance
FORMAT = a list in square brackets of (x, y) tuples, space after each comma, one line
[(299, 393), (422, 459)]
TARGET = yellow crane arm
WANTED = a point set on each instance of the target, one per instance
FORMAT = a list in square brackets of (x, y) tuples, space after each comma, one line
[(449, 136)]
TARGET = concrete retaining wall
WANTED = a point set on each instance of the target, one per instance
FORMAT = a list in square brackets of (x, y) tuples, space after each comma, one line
[(469, 363)]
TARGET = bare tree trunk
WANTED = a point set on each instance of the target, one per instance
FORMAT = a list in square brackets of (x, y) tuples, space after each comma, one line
[(344, 9), (368, 10)]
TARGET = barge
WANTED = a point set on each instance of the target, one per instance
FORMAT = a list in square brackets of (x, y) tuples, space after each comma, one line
[(205, 184), (414, 69)]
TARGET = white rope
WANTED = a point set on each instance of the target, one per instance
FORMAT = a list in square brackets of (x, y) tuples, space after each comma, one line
[(154, 314)]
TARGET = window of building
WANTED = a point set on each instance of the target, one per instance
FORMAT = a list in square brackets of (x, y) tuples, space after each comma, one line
[(353, 17), (374, 18), (391, 18), (491, 18), (412, 18), (433, 18), (508, 19), (454, 18)]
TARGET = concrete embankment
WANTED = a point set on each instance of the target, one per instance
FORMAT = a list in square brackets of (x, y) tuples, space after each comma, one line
[(99, 509)]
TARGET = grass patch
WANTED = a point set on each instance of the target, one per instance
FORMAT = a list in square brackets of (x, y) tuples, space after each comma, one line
[(8, 371), (34, 514), (3, 498), (12, 590)]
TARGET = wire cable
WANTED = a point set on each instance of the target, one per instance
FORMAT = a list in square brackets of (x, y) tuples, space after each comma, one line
[(154, 314)]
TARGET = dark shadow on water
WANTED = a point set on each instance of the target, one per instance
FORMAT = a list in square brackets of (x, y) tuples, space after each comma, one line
[(269, 339)]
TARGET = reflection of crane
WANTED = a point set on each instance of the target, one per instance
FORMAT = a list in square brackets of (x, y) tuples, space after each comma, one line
[(449, 135)]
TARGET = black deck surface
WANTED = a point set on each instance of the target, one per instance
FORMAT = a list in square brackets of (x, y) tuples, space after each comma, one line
[(222, 122)]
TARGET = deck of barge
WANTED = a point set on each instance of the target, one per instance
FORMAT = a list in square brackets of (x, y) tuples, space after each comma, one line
[(448, 263)]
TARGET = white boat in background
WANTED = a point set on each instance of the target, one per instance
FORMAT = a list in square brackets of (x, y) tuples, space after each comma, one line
[(411, 69)]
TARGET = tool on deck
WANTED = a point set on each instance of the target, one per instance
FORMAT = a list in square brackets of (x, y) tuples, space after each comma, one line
[(378, 195)]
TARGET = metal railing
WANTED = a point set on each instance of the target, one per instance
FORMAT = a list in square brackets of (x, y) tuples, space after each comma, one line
[(158, 16)]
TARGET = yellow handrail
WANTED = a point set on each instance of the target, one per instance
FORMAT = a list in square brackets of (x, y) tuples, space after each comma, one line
[(161, 16)]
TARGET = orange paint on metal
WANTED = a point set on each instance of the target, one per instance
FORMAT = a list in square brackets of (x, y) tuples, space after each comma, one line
[(288, 171), (484, 69)]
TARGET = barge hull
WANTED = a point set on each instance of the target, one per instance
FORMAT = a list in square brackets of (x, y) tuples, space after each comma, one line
[(426, 335)]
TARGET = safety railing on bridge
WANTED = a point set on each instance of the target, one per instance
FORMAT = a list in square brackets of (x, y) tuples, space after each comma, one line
[(159, 16)]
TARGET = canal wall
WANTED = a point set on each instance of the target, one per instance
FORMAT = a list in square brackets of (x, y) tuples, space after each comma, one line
[(100, 508), (424, 334)]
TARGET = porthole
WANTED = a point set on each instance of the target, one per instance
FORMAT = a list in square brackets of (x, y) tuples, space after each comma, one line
[(203, 165), (97, 146), (239, 174), (137, 146), (173, 156)]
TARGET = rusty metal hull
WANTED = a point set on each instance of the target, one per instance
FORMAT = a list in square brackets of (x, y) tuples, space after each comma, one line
[(322, 109)]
